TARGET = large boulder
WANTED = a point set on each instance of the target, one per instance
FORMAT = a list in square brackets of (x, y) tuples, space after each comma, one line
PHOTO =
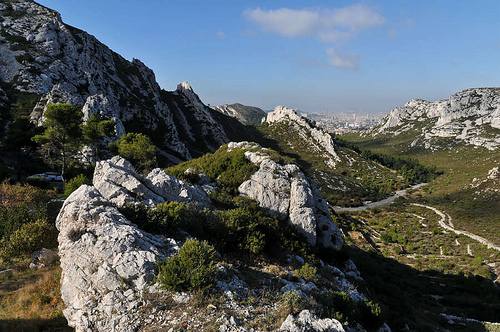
[(285, 192), (106, 261), (118, 182)]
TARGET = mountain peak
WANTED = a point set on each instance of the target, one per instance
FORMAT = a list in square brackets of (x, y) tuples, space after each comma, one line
[(184, 86)]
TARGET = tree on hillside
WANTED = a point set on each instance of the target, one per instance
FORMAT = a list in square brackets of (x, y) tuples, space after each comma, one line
[(94, 131), (138, 149), (62, 137)]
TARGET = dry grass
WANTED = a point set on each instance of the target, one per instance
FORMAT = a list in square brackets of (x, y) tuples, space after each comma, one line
[(31, 301)]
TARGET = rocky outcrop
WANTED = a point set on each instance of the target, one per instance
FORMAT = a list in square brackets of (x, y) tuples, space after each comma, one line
[(118, 182), (58, 63), (247, 115), (107, 262), (286, 193), (309, 322), (316, 138), (471, 116)]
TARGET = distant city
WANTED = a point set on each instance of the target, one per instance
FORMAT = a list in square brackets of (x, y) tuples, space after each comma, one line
[(345, 122)]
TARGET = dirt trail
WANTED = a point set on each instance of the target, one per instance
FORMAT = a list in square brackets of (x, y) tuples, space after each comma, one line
[(450, 227)]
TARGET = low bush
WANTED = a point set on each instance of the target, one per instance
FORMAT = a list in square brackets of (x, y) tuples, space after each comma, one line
[(308, 272), (75, 183), (27, 239), (192, 268)]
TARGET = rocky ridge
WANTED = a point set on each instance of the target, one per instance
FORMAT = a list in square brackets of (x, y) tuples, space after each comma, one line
[(110, 265), (471, 116), (53, 62), (319, 139), (247, 115)]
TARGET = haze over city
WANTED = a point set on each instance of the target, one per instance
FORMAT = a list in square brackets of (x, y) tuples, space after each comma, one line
[(368, 56)]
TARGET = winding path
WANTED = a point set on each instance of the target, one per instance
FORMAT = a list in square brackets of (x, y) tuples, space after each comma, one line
[(398, 193), (450, 227)]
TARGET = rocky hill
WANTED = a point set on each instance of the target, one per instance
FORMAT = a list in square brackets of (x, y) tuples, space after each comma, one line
[(471, 116), (343, 175), (110, 265), (247, 115), (47, 61)]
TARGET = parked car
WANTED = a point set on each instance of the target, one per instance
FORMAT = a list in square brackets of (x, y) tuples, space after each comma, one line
[(49, 176)]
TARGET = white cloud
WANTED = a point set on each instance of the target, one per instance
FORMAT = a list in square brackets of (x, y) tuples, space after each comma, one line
[(327, 25), (286, 22), (332, 26), (221, 34), (340, 60)]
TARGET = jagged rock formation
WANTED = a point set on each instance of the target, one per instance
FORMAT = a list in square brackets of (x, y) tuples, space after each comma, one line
[(247, 115), (471, 116), (316, 138), (52, 62), (117, 181), (107, 262), (287, 193)]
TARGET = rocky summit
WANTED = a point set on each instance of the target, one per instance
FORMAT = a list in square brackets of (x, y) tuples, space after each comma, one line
[(471, 116)]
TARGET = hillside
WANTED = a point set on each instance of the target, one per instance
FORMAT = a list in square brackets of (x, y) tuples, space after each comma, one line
[(342, 174), (450, 224), (247, 115), (47, 61), (471, 116)]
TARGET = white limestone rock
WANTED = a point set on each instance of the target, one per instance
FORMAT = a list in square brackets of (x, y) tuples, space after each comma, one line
[(321, 140), (465, 117), (118, 182), (286, 193), (106, 263), (173, 189), (309, 322)]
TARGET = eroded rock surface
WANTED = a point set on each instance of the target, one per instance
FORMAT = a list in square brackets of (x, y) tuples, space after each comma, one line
[(106, 261), (286, 193), (471, 116), (118, 182), (309, 322)]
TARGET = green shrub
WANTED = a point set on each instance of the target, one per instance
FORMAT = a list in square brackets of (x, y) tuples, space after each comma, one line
[(138, 149), (293, 302), (75, 183), (308, 272), (27, 239), (229, 168), (192, 268)]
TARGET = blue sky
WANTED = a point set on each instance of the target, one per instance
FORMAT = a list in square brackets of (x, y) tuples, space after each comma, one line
[(368, 56)]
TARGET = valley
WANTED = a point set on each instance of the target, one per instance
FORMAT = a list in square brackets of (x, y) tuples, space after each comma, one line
[(168, 214)]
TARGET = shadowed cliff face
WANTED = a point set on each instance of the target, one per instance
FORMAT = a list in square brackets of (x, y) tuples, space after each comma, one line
[(56, 63)]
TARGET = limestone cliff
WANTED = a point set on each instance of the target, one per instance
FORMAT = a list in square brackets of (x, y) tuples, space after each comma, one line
[(53, 62), (471, 116)]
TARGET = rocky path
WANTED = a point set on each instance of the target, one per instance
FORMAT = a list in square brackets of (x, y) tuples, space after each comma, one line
[(442, 223)]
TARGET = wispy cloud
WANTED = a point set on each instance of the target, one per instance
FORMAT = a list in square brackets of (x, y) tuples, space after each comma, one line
[(221, 34), (338, 59), (333, 26)]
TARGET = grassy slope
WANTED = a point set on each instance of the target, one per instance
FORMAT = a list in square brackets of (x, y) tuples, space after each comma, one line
[(452, 192)]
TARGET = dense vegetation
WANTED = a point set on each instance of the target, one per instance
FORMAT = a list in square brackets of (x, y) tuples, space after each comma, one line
[(228, 168), (24, 221), (410, 168)]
